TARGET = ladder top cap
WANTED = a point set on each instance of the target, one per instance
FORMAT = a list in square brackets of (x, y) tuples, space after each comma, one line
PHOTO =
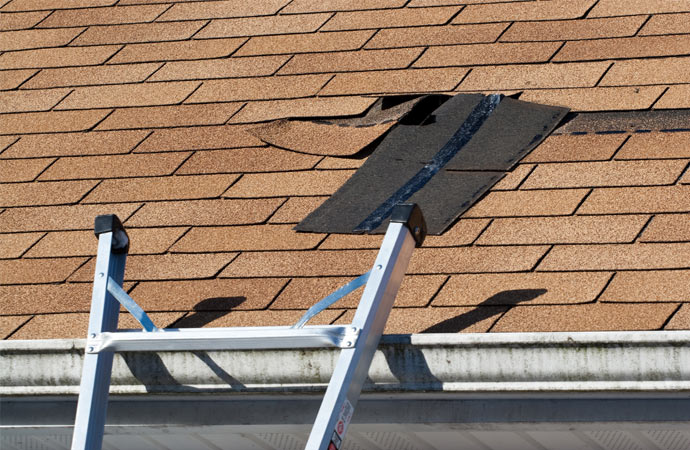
[(411, 215), (108, 223)]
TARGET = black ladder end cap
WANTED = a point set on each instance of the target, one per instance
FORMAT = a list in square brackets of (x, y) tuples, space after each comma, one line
[(107, 223), (411, 215)]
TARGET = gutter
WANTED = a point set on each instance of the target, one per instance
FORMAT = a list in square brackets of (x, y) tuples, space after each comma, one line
[(650, 361)]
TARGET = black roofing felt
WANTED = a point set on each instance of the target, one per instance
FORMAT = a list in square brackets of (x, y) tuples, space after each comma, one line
[(444, 162)]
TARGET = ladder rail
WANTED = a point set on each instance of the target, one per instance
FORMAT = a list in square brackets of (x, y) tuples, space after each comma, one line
[(352, 367), (105, 309), (357, 341)]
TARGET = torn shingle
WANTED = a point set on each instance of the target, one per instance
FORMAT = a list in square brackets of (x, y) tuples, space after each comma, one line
[(457, 153)]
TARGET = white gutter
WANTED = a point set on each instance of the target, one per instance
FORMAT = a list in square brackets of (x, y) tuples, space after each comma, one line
[(654, 361)]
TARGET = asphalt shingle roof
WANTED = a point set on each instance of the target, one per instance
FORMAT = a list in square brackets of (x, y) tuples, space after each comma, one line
[(142, 108)]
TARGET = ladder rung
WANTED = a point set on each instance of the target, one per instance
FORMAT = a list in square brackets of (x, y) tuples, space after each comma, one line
[(236, 338)]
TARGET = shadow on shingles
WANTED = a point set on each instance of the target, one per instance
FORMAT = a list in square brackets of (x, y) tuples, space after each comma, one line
[(401, 356), (150, 369), (483, 312), (208, 310)]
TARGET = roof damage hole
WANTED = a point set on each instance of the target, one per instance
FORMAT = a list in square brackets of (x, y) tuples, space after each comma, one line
[(347, 136), (447, 158)]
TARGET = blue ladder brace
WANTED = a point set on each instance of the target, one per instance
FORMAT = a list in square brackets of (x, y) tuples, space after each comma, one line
[(357, 341)]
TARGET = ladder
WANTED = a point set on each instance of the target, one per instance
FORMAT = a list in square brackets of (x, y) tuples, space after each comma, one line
[(357, 341)]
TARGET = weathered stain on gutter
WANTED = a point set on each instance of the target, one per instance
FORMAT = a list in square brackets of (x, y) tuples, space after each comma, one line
[(546, 362)]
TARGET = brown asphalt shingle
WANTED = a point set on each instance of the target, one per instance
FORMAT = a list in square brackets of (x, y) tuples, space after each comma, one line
[(146, 109)]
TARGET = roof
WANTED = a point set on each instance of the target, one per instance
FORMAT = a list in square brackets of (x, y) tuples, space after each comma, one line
[(143, 108)]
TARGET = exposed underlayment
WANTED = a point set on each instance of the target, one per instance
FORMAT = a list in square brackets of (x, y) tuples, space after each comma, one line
[(146, 109), (444, 163)]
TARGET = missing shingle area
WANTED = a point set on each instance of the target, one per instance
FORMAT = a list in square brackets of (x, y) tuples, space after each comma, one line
[(506, 132), (620, 122)]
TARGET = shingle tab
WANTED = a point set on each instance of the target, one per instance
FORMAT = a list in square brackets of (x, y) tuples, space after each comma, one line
[(207, 295), (350, 61), (563, 230), (631, 47), (597, 98), (676, 97), (656, 145), (32, 271), (486, 54), (204, 212), (307, 107), (647, 71), (609, 173), (169, 116), (34, 5), (395, 81), (528, 203), (668, 228), (199, 138), (103, 16), (12, 79), (176, 50), (91, 75), (247, 160), (231, 8), (648, 286), (563, 148), (521, 11), (145, 32), (654, 199), (258, 88), (75, 326), (594, 317), (282, 184), (511, 289), (614, 7), (114, 166), (73, 144), (304, 43), (26, 101), (436, 35), (557, 30), (14, 170), (617, 257), (21, 20), (246, 238), (667, 24), (475, 259), (535, 76), (57, 57), (310, 6), (220, 68), (141, 94), (44, 193), (258, 26), (314, 263), (165, 267), (14, 245), (165, 188), (9, 324), (28, 39), (72, 217), (389, 18)]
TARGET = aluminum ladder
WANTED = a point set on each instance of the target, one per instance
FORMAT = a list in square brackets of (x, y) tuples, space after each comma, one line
[(357, 341)]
